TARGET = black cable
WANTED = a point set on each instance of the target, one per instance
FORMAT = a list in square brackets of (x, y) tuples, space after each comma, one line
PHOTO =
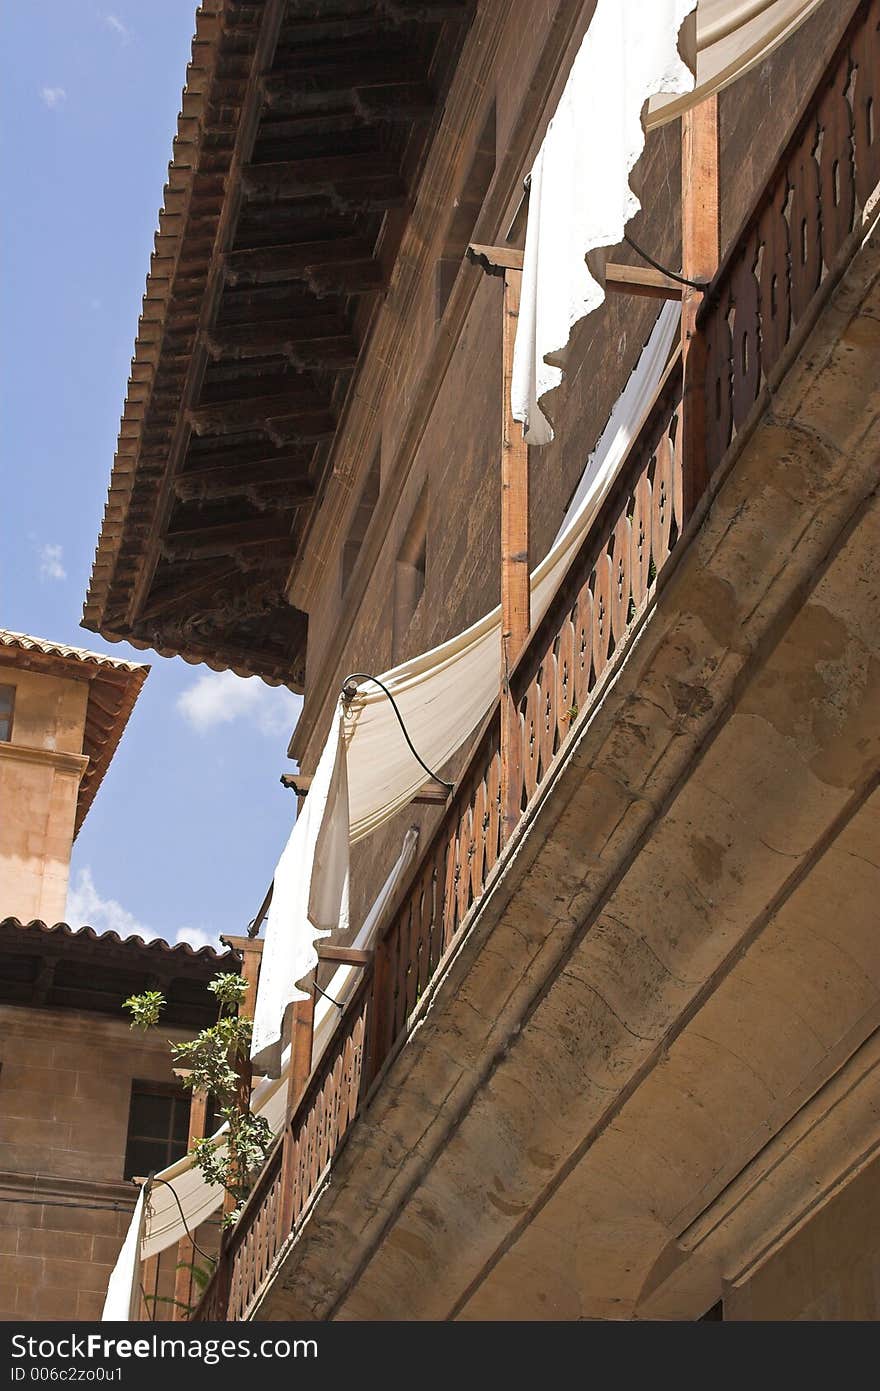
[(328, 997), (146, 1298), (196, 1247), (349, 695), (682, 279)]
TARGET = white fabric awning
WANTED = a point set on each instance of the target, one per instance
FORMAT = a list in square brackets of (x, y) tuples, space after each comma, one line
[(123, 1289), (722, 41), (311, 891), (442, 697), (629, 76), (199, 1199)]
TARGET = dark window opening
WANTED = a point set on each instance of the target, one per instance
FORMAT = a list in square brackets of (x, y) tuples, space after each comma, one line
[(410, 572), (7, 706), (363, 515), (158, 1127), (467, 209)]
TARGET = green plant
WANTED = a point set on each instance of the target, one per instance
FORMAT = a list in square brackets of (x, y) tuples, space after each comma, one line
[(145, 1009), (216, 1062)]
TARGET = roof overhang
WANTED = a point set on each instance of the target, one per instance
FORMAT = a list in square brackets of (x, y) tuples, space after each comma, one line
[(301, 140), (114, 686), (43, 967)]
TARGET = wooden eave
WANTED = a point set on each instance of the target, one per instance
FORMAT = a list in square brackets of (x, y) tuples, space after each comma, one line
[(58, 967), (303, 130)]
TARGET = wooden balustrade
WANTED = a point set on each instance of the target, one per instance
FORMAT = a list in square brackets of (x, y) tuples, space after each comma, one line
[(809, 210)]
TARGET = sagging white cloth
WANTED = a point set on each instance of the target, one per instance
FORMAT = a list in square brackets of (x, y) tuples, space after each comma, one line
[(723, 41), (199, 1199), (442, 696), (579, 196), (445, 693), (309, 898), (123, 1289), (580, 199)]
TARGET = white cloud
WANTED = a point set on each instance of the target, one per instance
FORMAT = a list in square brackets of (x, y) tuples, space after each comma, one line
[(53, 97), (87, 908), (122, 32), (51, 566), (219, 697)]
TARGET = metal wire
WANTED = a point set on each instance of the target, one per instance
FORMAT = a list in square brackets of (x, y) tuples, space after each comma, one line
[(195, 1245), (337, 1003), (682, 279), (349, 695)]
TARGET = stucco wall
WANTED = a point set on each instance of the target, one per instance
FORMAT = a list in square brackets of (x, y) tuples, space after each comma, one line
[(40, 772)]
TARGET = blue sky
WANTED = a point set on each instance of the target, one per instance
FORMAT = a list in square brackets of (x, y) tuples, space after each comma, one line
[(183, 836)]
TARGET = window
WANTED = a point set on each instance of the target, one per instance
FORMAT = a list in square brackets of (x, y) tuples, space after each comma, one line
[(7, 705), (409, 572), (363, 515), (467, 209), (158, 1127)]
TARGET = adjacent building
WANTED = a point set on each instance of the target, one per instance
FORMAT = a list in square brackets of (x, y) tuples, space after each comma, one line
[(86, 1105), (616, 1053)]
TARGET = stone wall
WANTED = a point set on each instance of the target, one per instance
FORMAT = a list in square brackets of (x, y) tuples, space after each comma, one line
[(65, 1087), (828, 1269), (457, 459)]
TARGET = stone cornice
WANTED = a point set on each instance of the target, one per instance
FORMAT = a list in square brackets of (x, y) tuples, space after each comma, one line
[(74, 764)]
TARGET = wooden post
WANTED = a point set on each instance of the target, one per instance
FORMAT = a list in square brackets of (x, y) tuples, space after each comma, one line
[(300, 1070), (150, 1288), (700, 255), (515, 595), (186, 1254)]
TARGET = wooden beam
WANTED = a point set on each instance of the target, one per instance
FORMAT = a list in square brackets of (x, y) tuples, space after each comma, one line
[(432, 794), (186, 1252), (700, 257), (216, 485), (184, 590), (367, 171), (269, 263), (254, 457), (343, 956), (300, 1071), (284, 337), (221, 538), (297, 782), (258, 412), (641, 280), (515, 593), (495, 260), (303, 86)]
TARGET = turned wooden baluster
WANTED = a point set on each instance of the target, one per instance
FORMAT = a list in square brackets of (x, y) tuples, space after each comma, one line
[(298, 1076)]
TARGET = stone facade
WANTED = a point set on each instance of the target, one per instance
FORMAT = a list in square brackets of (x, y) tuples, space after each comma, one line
[(64, 1204), (455, 458)]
